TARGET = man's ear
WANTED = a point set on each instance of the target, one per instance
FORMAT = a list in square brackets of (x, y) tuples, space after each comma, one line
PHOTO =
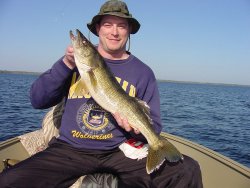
[(97, 28)]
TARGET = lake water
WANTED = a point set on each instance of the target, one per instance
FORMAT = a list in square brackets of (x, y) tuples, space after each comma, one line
[(216, 116)]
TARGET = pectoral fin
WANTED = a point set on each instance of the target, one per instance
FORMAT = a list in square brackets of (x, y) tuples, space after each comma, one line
[(146, 109), (80, 88)]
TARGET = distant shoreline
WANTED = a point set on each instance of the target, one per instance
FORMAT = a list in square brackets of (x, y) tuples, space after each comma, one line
[(19, 72), (160, 80), (206, 83)]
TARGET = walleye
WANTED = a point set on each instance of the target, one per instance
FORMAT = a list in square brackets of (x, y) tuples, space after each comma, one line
[(97, 79)]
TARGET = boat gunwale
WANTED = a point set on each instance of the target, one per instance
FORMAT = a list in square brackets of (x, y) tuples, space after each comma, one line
[(8, 142), (213, 154)]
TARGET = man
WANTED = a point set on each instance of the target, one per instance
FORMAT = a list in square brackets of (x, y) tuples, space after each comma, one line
[(90, 137)]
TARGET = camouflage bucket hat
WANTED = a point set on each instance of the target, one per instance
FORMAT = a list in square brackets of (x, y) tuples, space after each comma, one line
[(114, 8)]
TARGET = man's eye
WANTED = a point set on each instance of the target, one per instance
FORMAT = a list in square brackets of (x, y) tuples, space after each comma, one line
[(123, 26), (107, 25)]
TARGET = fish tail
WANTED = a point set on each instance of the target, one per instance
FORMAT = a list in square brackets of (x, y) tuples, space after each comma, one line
[(159, 152)]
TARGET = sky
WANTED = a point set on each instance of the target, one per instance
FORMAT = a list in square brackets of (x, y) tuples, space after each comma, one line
[(181, 40)]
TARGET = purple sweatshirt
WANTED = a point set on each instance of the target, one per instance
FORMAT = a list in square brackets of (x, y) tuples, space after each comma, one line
[(84, 123)]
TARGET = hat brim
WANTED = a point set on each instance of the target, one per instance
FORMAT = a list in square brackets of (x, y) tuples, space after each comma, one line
[(135, 25)]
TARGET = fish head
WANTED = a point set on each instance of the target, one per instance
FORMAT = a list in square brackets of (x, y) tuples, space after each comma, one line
[(85, 53)]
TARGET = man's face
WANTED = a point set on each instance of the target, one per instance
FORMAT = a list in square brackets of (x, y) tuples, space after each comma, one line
[(113, 34)]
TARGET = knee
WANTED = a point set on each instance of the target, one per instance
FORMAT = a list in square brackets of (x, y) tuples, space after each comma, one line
[(192, 172), (192, 168)]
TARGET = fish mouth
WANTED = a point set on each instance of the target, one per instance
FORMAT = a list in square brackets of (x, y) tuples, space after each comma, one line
[(79, 37), (76, 37)]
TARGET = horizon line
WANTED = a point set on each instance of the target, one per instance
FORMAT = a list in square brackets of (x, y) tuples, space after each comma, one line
[(159, 80)]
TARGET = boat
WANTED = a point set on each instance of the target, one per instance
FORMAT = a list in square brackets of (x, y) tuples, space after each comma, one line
[(218, 171)]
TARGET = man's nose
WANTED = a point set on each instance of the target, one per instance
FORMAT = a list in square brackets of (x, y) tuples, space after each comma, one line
[(115, 30)]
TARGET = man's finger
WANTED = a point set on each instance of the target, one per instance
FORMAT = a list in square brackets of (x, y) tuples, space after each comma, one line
[(126, 125)]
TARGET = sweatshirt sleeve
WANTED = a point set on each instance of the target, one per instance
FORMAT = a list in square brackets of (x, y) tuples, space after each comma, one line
[(51, 86)]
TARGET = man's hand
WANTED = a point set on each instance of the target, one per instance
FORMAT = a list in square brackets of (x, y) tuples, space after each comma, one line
[(69, 59), (123, 123)]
